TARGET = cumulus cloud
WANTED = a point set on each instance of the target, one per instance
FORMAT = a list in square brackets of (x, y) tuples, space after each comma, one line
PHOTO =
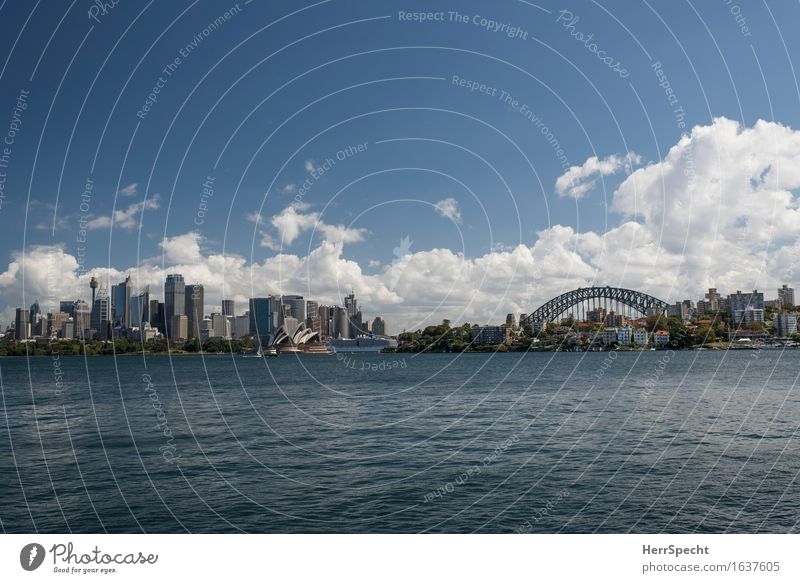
[(292, 221), (448, 208), (720, 210), (309, 166), (579, 181), (125, 219)]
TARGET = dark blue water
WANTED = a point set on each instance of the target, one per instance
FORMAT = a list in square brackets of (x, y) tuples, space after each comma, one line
[(641, 442)]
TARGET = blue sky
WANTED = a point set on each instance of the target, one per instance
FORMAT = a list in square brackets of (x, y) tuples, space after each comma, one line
[(277, 85)]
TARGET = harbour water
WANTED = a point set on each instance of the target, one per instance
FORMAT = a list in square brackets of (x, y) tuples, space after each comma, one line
[(661, 441)]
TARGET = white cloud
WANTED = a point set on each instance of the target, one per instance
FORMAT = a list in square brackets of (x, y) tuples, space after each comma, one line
[(130, 190), (290, 188), (292, 221), (309, 166), (578, 181), (125, 219), (448, 208)]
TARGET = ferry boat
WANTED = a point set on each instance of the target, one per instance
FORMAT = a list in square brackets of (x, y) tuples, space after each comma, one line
[(361, 344)]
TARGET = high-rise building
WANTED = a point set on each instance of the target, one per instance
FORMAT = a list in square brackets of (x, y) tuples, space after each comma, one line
[(82, 319), (312, 316), (121, 303), (713, 300), (100, 315), (222, 326), (746, 308), (324, 321), (193, 308), (35, 312), (511, 320), (379, 326), (340, 323), (228, 308), (241, 326), (260, 317), (786, 296), (351, 304), (157, 316), (174, 299), (67, 306), (178, 327), (140, 308), (785, 324), (297, 305), (54, 322), (22, 324)]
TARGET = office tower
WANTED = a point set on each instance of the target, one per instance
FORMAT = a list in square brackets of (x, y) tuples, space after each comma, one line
[(222, 326), (193, 307), (178, 327), (54, 322), (140, 308), (312, 316), (379, 326), (297, 305), (324, 313), (713, 300), (340, 326), (68, 329), (22, 324), (228, 308), (94, 284), (100, 315), (511, 320), (35, 311), (241, 326), (206, 329), (121, 303), (157, 316), (174, 299), (260, 317), (67, 306), (82, 319), (356, 325), (350, 304), (522, 318), (786, 296)]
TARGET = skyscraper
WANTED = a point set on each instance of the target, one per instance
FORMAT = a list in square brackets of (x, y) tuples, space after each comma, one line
[(786, 296), (121, 303), (100, 313), (22, 324), (379, 326), (82, 318), (194, 302), (228, 308), (297, 305), (34, 312), (260, 317), (140, 308), (67, 306), (312, 315), (174, 299), (324, 321)]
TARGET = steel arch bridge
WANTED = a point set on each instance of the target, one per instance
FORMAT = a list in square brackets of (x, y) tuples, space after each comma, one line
[(639, 301)]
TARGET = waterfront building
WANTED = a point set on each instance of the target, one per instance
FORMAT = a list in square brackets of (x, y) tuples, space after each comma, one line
[(174, 301), (785, 324), (748, 316), (194, 300), (786, 296), (743, 301), (624, 335), (206, 329), (379, 326), (22, 324), (641, 337), (660, 338), (275, 310), (228, 308), (490, 335)]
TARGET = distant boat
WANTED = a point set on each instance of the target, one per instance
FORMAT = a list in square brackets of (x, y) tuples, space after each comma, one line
[(261, 353)]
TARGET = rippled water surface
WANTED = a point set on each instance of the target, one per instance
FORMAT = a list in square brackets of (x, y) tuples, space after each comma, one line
[(643, 442)]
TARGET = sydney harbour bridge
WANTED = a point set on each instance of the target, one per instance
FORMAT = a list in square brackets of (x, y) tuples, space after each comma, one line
[(581, 302)]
